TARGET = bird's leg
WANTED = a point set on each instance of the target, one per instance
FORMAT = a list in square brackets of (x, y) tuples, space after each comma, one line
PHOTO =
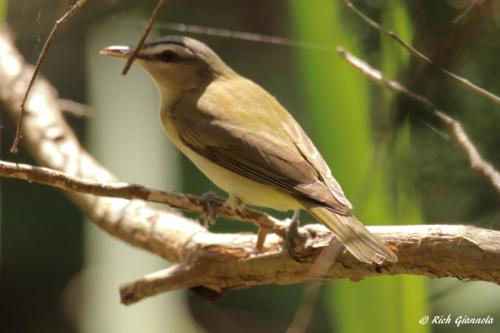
[(294, 240)]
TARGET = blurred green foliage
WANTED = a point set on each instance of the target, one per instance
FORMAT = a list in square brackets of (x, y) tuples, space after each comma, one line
[(3, 7), (338, 102)]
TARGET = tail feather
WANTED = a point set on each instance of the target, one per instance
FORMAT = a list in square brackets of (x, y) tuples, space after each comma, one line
[(354, 236)]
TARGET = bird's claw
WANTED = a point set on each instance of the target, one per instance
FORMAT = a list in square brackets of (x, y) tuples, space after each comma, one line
[(210, 210), (213, 203), (294, 241)]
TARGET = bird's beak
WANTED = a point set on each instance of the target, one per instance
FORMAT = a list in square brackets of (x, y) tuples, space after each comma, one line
[(122, 52)]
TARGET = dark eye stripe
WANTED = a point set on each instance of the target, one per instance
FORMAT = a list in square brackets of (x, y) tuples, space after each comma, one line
[(168, 56), (160, 57)]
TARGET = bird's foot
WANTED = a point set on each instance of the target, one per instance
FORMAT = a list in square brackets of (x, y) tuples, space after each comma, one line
[(294, 241), (210, 210), (213, 203)]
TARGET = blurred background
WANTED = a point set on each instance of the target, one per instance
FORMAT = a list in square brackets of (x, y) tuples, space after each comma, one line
[(59, 273)]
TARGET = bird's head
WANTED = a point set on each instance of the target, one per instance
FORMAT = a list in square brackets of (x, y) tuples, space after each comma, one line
[(175, 63)]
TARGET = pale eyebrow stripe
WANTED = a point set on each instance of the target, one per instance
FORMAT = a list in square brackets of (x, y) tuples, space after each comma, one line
[(155, 55)]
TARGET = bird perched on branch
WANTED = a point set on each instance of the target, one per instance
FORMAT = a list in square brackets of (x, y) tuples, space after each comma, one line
[(244, 141)]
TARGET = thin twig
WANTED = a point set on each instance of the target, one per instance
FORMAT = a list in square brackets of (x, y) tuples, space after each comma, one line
[(473, 4), (149, 26), (243, 35), (303, 315), (188, 202), (320, 267), (58, 25), (455, 129), (463, 81)]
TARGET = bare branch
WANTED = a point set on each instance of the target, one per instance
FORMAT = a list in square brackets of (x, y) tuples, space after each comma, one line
[(41, 57), (149, 26), (477, 162), (468, 253), (463, 81), (188, 202)]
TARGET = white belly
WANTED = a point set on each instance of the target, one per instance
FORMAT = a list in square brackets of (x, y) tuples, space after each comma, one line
[(247, 190)]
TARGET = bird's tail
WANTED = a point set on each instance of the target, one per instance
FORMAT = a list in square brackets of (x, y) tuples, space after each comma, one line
[(354, 236)]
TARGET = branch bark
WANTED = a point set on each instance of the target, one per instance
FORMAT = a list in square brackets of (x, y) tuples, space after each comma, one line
[(223, 261), (465, 252)]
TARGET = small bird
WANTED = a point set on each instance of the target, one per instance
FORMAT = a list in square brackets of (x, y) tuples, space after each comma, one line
[(245, 141)]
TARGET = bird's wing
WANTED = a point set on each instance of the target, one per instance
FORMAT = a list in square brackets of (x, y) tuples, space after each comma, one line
[(313, 156), (267, 156)]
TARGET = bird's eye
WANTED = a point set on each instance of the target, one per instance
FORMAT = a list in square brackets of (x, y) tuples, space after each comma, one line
[(169, 56)]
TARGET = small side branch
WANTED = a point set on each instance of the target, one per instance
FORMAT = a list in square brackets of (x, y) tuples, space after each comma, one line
[(75, 109), (419, 55), (175, 277), (477, 162), (188, 202)]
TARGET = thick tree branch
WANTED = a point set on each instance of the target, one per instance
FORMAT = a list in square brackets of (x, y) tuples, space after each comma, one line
[(464, 252), (223, 261)]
